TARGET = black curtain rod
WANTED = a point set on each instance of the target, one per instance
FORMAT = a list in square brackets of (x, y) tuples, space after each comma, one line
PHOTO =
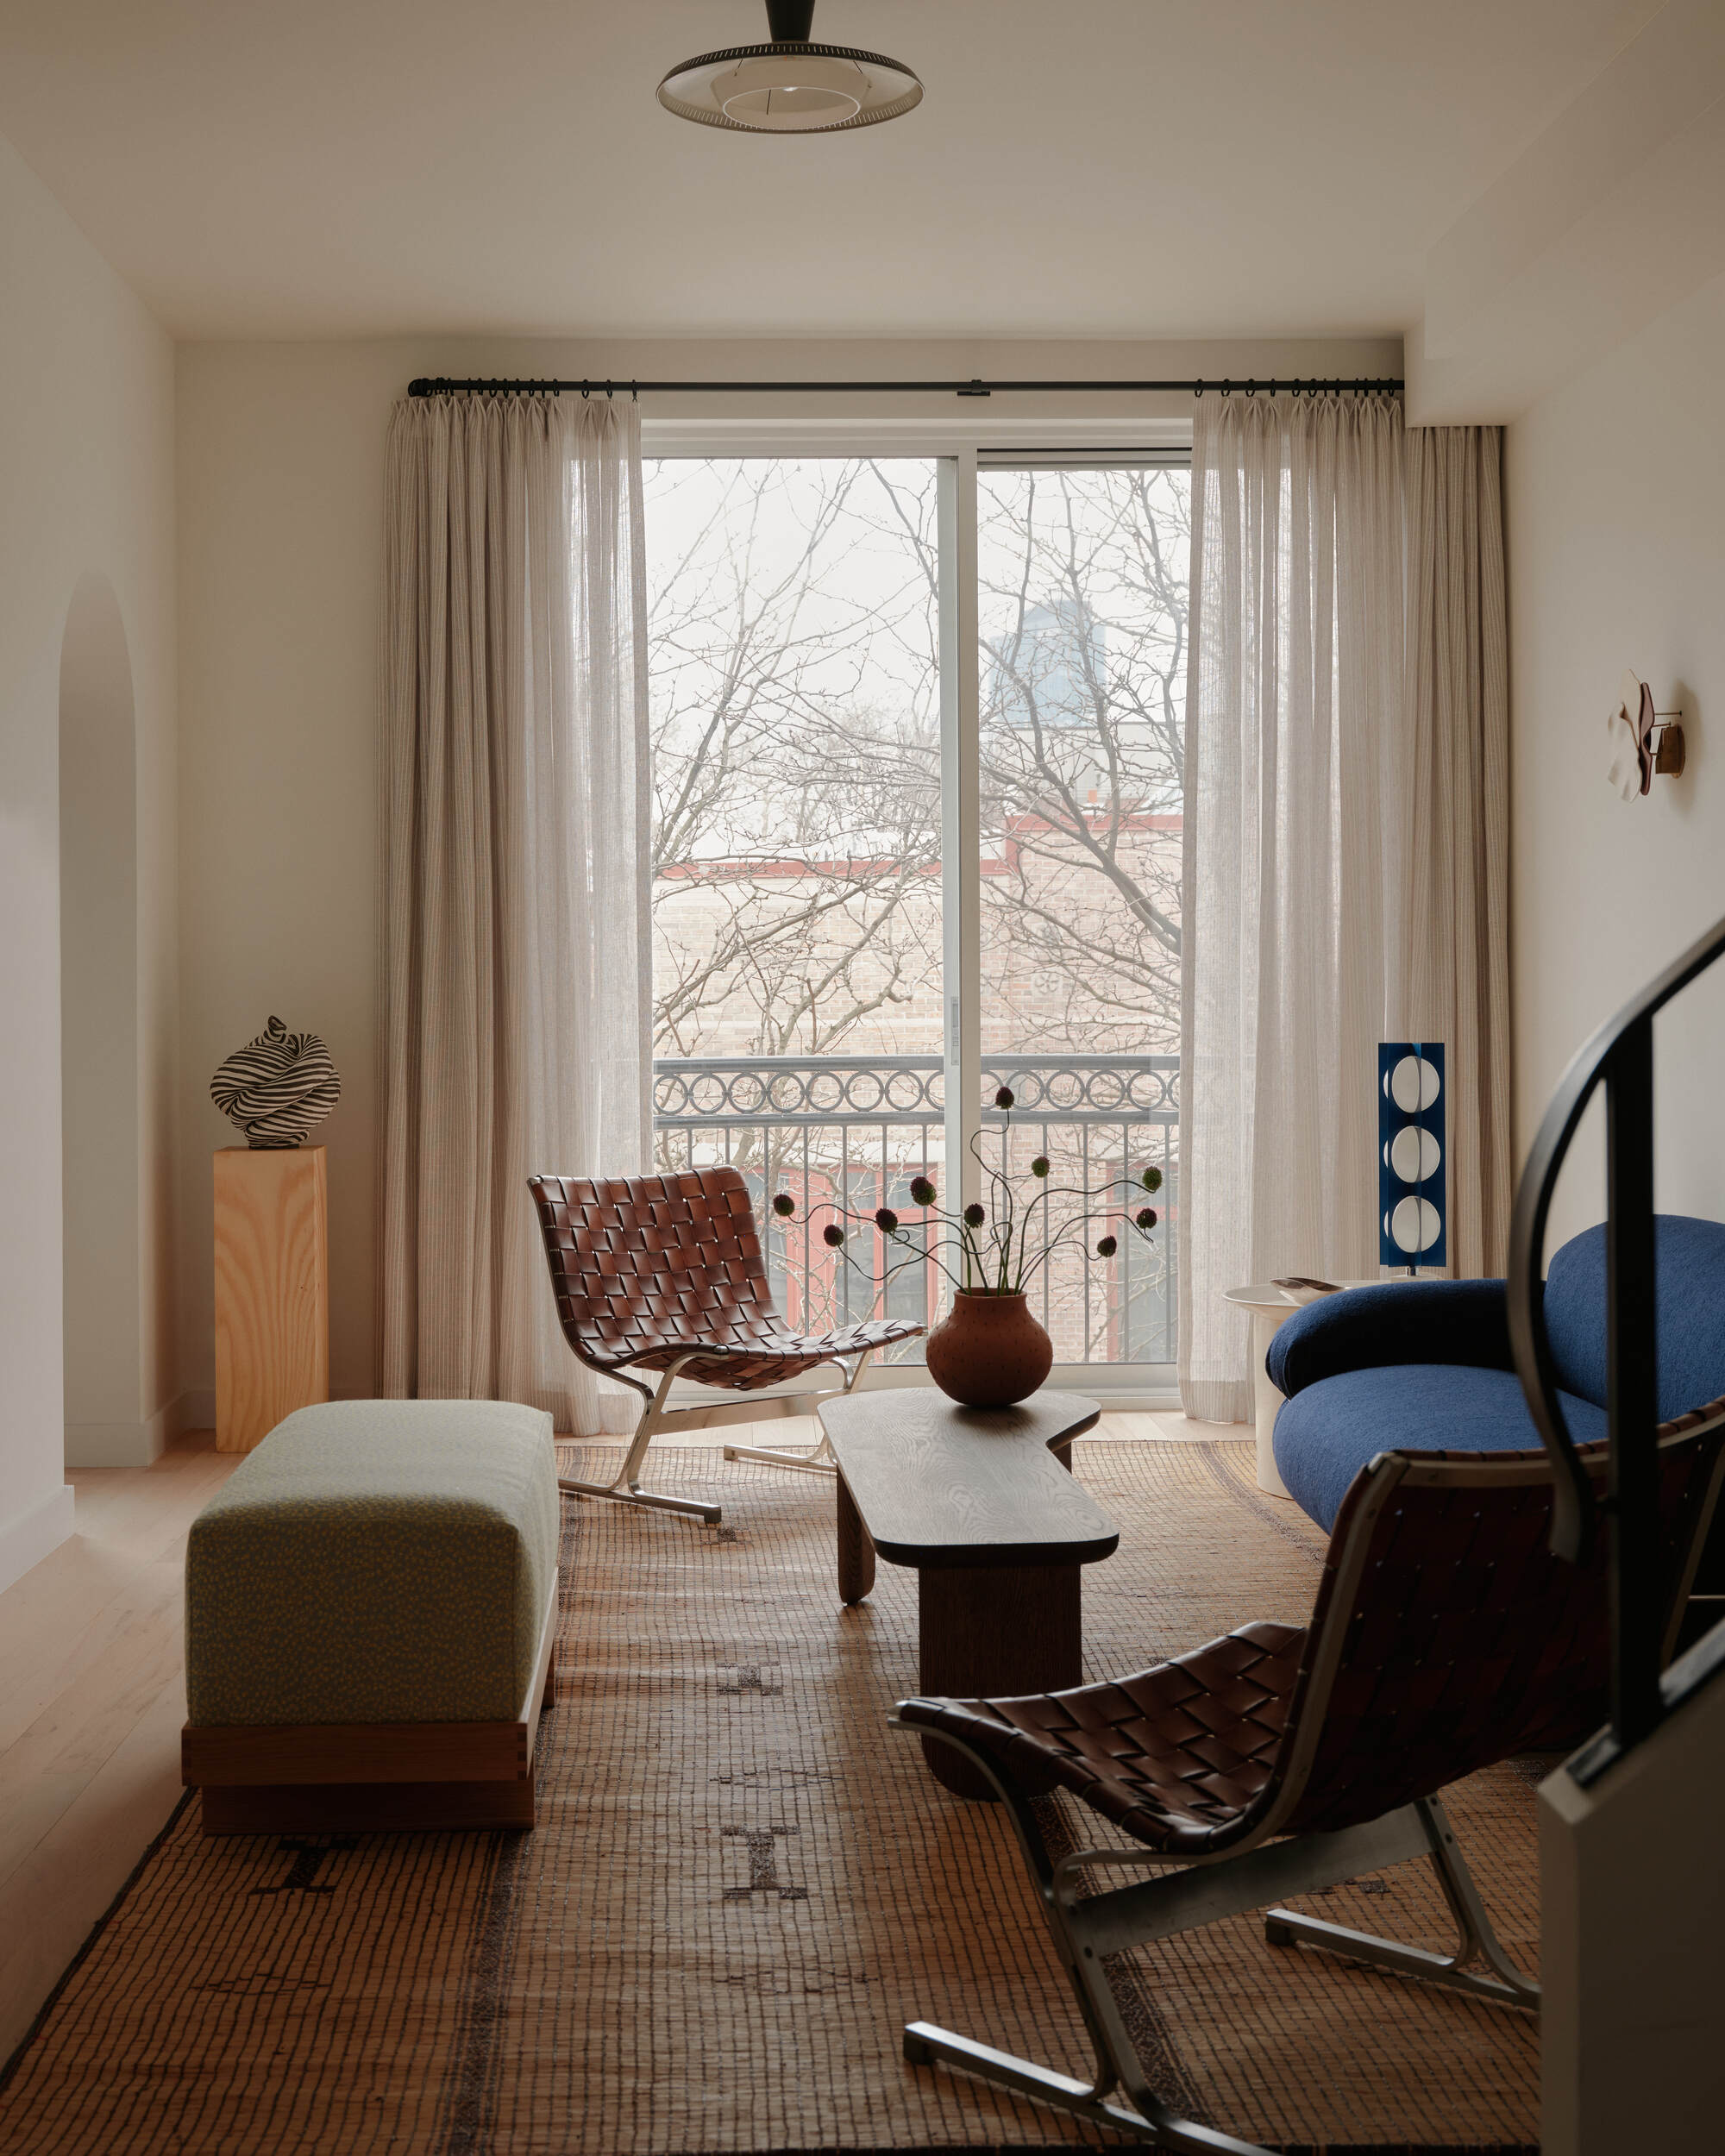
[(441, 386)]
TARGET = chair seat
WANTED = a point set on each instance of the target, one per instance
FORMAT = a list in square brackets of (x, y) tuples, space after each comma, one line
[(1177, 1756), (1444, 1636), (1327, 1432), (759, 1357)]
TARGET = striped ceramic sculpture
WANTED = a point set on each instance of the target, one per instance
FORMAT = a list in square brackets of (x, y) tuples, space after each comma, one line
[(278, 1088)]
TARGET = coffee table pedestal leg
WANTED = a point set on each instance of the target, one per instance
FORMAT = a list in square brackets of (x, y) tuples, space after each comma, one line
[(990, 1633), (856, 1549)]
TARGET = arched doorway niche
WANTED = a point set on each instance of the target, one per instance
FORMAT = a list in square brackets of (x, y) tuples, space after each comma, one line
[(105, 1422)]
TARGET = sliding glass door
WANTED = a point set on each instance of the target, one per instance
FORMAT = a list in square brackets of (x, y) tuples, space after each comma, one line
[(797, 898), (917, 768), (1081, 574)]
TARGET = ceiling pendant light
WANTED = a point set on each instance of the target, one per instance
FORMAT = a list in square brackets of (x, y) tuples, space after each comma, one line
[(790, 86)]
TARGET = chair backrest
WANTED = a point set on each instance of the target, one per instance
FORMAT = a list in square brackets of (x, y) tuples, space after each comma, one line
[(1688, 1260), (1446, 1636), (639, 1260)]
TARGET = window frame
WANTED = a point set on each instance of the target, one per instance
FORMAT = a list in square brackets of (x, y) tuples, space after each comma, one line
[(961, 447)]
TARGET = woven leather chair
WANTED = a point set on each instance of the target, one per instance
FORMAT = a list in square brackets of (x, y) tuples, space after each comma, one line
[(1282, 1761), (664, 1273)]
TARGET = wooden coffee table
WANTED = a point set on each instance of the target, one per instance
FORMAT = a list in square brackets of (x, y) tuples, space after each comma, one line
[(981, 1503)]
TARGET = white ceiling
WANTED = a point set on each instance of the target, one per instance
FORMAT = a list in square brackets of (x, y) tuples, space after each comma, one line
[(1092, 168)]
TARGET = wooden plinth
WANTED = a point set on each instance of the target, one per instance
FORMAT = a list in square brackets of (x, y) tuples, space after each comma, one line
[(272, 1289)]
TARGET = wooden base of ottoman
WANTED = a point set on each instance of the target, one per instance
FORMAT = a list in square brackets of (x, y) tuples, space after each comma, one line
[(357, 1808), (350, 1778)]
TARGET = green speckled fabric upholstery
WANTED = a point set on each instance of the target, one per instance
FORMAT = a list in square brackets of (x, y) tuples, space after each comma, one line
[(375, 1561)]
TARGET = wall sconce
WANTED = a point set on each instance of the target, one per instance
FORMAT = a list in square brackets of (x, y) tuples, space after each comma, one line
[(1643, 741)]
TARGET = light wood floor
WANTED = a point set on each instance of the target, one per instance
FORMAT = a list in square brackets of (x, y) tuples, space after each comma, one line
[(91, 1699), (92, 1695)]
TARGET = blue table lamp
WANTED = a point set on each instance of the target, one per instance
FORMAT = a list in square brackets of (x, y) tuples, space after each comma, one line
[(1413, 1210)]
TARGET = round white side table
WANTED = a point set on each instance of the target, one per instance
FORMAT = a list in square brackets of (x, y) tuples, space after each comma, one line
[(1270, 1306)]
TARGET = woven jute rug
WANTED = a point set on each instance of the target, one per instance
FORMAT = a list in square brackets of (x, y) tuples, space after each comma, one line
[(742, 1883)]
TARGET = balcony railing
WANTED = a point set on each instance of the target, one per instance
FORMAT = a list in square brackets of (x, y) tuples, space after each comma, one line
[(852, 1131)]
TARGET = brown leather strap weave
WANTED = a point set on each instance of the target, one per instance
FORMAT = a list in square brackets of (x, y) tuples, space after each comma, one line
[(649, 1269), (1463, 1641)]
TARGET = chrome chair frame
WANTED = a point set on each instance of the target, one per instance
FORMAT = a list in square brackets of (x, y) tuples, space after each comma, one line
[(1086, 1929), (658, 1421), (1268, 1861), (666, 1275)]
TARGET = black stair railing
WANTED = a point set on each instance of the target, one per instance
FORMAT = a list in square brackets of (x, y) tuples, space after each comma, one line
[(1619, 1056)]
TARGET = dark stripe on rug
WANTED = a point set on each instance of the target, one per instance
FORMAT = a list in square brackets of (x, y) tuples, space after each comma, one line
[(1151, 2036), (95, 1933), (470, 2108), (1261, 1508), (471, 2102)]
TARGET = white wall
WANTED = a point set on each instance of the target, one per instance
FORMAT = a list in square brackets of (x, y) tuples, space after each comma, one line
[(1617, 513), (98, 1036), (281, 503), (86, 446)]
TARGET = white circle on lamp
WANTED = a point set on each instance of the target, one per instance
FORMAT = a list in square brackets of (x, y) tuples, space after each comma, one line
[(1413, 1084), (1413, 1155), (1414, 1226)]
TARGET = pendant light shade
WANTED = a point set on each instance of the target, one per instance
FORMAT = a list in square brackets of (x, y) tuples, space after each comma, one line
[(790, 86)]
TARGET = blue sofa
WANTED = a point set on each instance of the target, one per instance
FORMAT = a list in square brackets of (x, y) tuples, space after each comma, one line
[(1425, 1365)]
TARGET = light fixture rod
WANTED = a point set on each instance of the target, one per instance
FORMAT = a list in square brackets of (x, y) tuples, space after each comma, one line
[(790, 22)]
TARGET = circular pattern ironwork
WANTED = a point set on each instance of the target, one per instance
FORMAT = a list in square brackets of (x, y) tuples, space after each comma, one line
[(1123, 1088)]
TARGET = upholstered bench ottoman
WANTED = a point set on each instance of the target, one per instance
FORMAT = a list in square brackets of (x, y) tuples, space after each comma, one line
[(370, 1605)]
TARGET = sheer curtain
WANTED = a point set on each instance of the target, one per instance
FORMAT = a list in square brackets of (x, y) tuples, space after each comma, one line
[(514, 840), (1293, 772), (1347, 860), (1456, 956)]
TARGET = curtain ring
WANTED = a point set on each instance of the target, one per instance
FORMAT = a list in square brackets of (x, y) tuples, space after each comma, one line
[(1227, 388), (1251, 389), (635, 392), (585, 391), (1198, 393)]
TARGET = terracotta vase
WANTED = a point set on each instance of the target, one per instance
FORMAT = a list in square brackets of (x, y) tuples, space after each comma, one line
[(988, 1351)]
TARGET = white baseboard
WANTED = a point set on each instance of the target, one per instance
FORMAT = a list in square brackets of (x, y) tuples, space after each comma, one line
[(26, 1541), (115, 1444), (138, 1444)]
